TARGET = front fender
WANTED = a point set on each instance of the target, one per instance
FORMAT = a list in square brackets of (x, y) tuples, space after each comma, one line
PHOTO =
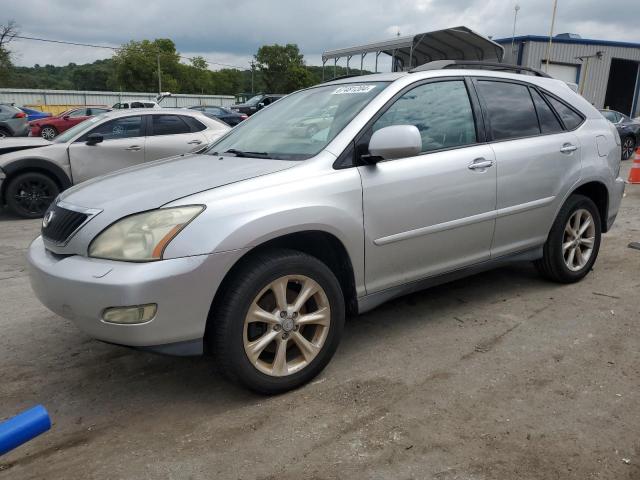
[(330, 203)]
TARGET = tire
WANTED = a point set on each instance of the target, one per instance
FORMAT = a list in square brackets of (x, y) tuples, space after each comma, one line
[(4, 133), (29, 194), (558, 263), (48, 132), (231, 337), (628, 147)]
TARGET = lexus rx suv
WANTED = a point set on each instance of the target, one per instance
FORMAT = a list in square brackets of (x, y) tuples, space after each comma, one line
[(255, 251)]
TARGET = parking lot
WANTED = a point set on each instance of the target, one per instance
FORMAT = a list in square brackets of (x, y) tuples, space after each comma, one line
[(501, 375)]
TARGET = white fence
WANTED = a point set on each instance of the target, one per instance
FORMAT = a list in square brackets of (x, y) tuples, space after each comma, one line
[(75, 97)]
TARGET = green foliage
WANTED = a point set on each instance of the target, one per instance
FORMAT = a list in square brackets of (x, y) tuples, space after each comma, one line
[(279, 69), (282, 68), (135, 66)]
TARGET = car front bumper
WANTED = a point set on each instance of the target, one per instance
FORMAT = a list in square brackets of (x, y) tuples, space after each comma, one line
[(80, 289)]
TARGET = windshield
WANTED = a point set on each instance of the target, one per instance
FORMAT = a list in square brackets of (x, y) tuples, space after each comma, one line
[(78, 129), (284, 131), (254, 100)]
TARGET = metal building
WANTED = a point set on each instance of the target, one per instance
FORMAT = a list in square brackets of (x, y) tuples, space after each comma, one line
[(607, 73), (72, 98)]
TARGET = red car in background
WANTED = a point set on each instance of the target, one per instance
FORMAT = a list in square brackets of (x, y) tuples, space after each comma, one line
[(50, 127)]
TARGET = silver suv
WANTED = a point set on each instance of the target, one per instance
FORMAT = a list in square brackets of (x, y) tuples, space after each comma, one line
[(255, 251)]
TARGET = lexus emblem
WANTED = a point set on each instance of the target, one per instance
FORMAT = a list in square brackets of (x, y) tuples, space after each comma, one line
[(47, 218)]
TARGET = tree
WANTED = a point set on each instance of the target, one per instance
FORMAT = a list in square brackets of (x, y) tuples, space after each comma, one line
[(7, 33), (282, 68), (135, 66)]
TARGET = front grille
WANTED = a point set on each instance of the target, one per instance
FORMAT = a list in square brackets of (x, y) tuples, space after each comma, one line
[(61, 224)]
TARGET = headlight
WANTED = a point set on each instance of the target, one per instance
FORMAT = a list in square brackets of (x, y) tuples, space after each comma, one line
[(142, 237)]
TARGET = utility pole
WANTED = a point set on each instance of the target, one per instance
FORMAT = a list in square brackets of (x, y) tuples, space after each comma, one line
[(553, 21), (159, 76), (513, 34), (253, 67)]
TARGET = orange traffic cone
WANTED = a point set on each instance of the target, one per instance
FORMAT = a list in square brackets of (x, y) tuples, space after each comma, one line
[(634, 173)]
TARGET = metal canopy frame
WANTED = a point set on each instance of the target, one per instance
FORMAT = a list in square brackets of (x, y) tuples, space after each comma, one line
[(410, 51)]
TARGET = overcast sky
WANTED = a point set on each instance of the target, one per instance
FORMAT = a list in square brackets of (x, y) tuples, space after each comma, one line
[(231, 31)]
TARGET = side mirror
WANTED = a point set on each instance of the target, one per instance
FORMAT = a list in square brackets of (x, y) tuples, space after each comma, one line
[(94, 138), (66, 117), (396, 141)]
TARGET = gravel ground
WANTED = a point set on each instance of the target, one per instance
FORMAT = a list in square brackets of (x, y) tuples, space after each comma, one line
[(498, 376)]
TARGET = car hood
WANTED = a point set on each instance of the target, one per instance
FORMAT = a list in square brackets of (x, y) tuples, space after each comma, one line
[(21, 143), (154, 184)]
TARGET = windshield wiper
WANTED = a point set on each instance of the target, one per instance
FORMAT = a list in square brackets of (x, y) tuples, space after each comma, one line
[(240, 153)]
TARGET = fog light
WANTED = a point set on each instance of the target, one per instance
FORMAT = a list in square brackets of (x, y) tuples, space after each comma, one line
[(130, 315)]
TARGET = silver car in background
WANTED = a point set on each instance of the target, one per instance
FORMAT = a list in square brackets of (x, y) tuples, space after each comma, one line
[(34, 170), (255, 251)]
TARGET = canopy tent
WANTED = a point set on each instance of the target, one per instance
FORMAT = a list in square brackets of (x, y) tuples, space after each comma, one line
[(458, 43)]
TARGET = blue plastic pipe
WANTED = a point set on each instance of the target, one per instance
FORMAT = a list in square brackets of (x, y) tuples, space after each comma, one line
[(23, 427)]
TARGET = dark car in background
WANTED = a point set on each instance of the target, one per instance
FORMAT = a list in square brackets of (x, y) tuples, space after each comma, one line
[(33, 114), (628, 129), (50, 127), (229, 117), (13, 122), (256, 103)]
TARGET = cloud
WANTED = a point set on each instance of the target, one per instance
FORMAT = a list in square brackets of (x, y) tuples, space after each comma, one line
[(231, 32)]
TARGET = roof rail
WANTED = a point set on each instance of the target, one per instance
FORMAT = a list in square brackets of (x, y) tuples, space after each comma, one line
[(442, 64)]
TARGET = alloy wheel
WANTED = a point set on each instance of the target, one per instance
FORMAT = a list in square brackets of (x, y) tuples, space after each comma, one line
[(286, 325), (627, 148), (33, 195), (578, 239), (48, 133)]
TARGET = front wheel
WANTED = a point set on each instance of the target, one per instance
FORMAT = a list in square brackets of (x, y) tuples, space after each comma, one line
[(30, 194), (573, 243), (277, 322)]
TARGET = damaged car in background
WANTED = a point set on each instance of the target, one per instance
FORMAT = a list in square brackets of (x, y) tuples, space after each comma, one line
[(33, 170)]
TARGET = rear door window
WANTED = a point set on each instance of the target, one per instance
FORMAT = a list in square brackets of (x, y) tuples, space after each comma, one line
[(509, 109), (169, 125), (570, 118), (549, 123)]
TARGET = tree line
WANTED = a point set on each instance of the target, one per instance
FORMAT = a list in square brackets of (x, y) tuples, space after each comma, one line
[(134, 68)]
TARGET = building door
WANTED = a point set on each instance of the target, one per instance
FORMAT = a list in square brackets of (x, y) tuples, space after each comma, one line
[(622, 87)]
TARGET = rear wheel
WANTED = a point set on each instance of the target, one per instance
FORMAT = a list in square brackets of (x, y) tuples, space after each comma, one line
[(48, 132), (30, 194), (278, 322), (628, 147), (4, 133), (573, 243)]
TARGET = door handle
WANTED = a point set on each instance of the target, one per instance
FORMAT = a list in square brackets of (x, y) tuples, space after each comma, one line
[(480, 164), (568, 148), (194, 142), (133, 148)]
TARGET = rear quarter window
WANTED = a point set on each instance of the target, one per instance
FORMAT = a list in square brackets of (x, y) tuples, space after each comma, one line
[(569, 116)]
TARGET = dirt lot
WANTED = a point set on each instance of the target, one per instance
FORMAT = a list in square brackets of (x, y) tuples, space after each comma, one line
[(499, 376)]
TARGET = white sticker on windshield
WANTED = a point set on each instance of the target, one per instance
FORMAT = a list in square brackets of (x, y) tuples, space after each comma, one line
[(353, 89)]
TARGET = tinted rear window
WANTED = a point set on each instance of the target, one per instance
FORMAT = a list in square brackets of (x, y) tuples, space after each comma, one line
[(510, 109), (569, 117), (549, 123), (195, 125), (169, 125)]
